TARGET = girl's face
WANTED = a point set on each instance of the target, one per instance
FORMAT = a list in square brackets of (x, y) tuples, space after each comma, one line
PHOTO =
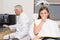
[(44, 14)]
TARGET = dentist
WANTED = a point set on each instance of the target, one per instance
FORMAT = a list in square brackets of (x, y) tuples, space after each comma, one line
[(21, 26)]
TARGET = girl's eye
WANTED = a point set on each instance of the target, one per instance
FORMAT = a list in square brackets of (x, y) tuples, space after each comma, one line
[(45, 12), (41, 13)]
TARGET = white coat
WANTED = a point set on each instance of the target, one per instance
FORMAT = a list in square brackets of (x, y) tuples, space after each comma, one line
[(22, 28)]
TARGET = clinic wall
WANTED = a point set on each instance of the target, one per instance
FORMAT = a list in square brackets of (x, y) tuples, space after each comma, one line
[(1, 6), (8, 6)]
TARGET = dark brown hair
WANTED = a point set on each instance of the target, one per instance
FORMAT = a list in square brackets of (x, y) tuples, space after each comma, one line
[(43, 8)]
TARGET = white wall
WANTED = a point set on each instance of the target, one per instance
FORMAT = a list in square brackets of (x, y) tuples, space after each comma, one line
[(8, 6), (1, 6)]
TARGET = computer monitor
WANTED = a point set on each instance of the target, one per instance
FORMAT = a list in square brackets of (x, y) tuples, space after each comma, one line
[(7, 19)]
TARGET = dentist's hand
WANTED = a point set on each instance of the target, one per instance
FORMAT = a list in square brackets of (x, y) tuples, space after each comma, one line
[(5, 25)]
